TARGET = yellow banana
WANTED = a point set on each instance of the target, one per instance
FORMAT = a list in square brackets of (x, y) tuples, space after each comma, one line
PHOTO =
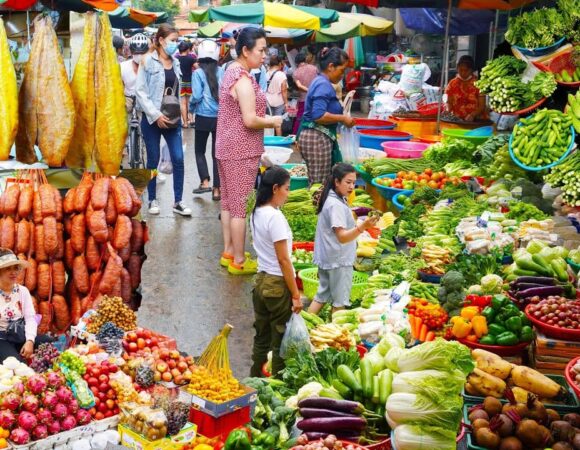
[(8, 97)]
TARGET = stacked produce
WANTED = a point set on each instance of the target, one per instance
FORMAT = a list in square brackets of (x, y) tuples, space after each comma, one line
[(8, 97), (425, 318), (301, 256), (98, 379), (328, 443), (573, 110), (300, 213), (557, 312), (112, 310), (411, 180), (331, 335), (566, 176)]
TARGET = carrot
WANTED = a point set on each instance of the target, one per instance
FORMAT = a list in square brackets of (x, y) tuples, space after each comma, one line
[(430, 336), (418, 325), (412, 324), (423, 333)]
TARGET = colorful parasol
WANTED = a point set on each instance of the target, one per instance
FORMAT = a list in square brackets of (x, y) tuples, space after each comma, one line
[(353, 25), (125, 18)]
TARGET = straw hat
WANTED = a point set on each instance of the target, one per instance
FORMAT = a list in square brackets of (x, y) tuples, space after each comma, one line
[(10, 260)]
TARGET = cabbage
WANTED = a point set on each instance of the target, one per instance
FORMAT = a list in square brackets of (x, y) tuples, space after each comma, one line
[(389, 341), (438, 354), (535, 246), (574, 255), (475, 289), (415, 437), (431, 383), (376, 360), (404, 408), (492, 284)]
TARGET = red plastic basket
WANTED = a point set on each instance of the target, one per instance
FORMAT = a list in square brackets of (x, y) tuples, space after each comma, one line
[(210, 427), (568, 375), (344, 444), (557, 65), (309, 246), (500, 350), (527, 110), (383, 445), (551, 331)]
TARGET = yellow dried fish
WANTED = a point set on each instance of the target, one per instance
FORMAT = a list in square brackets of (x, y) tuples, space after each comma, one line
[(8, 97)]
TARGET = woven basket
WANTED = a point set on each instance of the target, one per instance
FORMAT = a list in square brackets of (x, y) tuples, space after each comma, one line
[(558, 64)]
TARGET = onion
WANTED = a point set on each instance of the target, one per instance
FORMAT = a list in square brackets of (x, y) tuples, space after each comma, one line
[(511, 443)]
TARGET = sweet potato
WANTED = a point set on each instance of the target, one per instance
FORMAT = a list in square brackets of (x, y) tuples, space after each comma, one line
[(97, 225), (111, 210), (22, 273), (62, 316), (134, 268), (58, 277), (126, 290), (78, 231), (37, 208), (25, 201), (93, 256), (11, 196), (57, 203), (100, 193), (122, 196), (47, 205), (43, 287), (30, 276), (68, 205), (50, 235), (123, 231), (23, 236), (69, 254), (8, 233), (40, 252), (45, 311), (83, 194), (81, 274), (535, 382), (112, 273), (125, 254), (136, 236), (60, 238)]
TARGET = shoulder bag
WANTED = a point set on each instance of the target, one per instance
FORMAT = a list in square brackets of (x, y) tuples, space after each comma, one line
[(170, 105)]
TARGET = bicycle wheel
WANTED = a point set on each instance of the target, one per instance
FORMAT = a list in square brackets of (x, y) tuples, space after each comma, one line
[(134, 150), (142, 151)]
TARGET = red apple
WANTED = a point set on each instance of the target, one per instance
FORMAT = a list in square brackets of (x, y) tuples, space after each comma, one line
[(93, 381), (110, 404), (94, 390), (140, 343), (148, 343), (104, 387), (111, 394), (172, 364), (154, 341), (132, 336), (162, 367), (102, 396), (182, 366), (147, 334), (108, 414), (97, 401), (133, 347), (102, 407), (174, 354), (99, 416), (113, 368), (103, 379)]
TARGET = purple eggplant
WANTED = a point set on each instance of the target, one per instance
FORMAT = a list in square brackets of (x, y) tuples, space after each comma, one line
[(332, 424), (330, 403), (541, 292), (361, 210), (309, 413), (545, 281), (523, 286)]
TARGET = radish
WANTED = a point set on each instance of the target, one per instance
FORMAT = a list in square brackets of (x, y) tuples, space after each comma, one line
[(20, 436), (7, 419), (36, 384), (68, 423), (40, 432), (30, 403), (27, 420)]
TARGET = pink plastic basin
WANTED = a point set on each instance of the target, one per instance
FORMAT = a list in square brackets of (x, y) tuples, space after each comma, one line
[(404, 149)]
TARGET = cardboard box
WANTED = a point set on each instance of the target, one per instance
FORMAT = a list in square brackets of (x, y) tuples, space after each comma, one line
[(219, 409), (135, 441)]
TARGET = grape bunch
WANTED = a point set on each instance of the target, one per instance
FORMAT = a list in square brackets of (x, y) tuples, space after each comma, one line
[(73, 362), (110, 331), (43, 357)]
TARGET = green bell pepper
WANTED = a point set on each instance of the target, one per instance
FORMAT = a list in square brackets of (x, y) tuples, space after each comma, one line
[(509, 310), (488, 339), (489, 314), (514, 324), (495, 329), (238, 440), (265, 439), (498, 302), (527, 334), (507, 338)]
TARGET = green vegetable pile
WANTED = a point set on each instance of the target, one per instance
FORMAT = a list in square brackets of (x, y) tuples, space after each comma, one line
[(567, 177), (507, 325), (473, 267), (452, 292), (301, 215), (446, 151), (538, 28), (502, 67), (383, 166)]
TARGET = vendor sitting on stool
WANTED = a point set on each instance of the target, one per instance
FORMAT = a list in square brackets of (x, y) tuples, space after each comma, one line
[(463, 98)]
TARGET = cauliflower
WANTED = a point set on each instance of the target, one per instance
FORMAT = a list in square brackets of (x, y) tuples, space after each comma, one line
[(311, 389), (492, 284)]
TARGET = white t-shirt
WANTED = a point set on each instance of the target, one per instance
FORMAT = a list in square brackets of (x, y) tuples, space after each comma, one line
[(274, 92), (268, 226), (129, 77)]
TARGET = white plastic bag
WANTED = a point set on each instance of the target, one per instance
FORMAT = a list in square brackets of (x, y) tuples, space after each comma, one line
[(165, 166), (348, 142), (296, 338), (413, 77)]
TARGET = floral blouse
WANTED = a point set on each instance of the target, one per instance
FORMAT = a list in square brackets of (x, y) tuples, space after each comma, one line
[(16, 305), (465, 97)]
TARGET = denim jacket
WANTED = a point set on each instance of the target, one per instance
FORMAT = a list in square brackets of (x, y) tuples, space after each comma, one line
[(151, 85), (202, 102)]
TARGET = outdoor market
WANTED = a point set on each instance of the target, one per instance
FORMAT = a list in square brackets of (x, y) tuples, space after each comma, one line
[(379, 248)]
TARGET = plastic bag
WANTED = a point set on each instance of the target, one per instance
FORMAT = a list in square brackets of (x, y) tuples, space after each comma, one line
[(413, 77), (165, 166), (348, 142), (296, 338)]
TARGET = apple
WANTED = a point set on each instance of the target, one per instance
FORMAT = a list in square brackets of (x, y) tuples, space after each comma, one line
[(111, 394), (174, 354), (157, 376), (97, 401), (172, 364), (92, 411), (103, 379), (162, 367), (132, 336), (140, 343), (166, 376), (178, 379), (125, 345), (147, 334), (116, 410), (102, 407), (110, 404), (94, 390), (133, 347), (187, 375), (104, 387), (154, 341), (113, 368), (99, 416), (182, 366), (175, 373), (148, 343), (108, 414), (102, 396)]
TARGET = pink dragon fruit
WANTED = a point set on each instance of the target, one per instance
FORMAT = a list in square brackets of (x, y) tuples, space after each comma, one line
[(54, 380), (83, 417), (40, 432), (27, 420), (19, 387), (73, 407), (54, 428), (64, 394), (68, 423), (44, 416), (49, 400), (20, 436), (11, 401), (30, 403), (7, 419), (60, 411), (36, 384)]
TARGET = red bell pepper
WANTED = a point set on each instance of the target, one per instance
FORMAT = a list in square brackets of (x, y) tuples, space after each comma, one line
[(477, 300)]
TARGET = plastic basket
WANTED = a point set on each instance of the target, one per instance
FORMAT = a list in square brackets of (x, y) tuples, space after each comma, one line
[(560, 63), (429, 109), (540, 51), (462, 134), (404, 150), (278, 155), (430, 138), (309, 246), (537, 169), (396, 201), (501, 350), (386, 191), (575, 267), (568, 374), (309, 279), (551, 331), (374, 124), (296, 182), (374, 138), (279, 141)]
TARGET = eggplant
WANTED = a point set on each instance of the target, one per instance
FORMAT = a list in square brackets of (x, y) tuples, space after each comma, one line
[(332, 424), (523, 286), (346, 406), (544, 291), (361, 210), (546, 281), (309, 413)]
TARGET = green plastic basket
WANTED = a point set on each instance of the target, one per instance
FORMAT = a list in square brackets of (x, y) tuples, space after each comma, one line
[(296, 182), (575, 267), (309, 279)]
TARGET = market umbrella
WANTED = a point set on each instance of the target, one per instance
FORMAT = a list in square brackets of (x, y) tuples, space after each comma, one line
[(81, 6), (269, 14), (125, 18), (463, 4), (352, 25), (354, 47), (274, 35)]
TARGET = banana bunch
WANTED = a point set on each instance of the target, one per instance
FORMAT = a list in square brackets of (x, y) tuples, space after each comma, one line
[(366, 249), (436, 258), (331, 335), (8, 97), (573, 110), (386, 220)]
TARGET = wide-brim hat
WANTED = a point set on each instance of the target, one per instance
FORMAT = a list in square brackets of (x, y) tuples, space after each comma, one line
[(10, 260)]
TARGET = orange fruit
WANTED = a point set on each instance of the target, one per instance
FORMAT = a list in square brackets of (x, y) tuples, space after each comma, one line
[(3, 443)]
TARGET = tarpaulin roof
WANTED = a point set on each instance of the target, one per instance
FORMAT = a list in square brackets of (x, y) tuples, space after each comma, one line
[(80, 6), (125, 18), (463, 4), (433, 20)]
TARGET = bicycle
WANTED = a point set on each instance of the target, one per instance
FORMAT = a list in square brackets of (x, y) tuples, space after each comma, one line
[(136, 145)]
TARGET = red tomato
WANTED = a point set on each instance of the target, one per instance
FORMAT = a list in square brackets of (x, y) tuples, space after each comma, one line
[(400, 174), (428, 171), (433, 184)]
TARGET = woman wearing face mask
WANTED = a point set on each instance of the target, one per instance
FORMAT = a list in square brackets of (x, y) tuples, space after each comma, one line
[(322, 113), (158, 76), (464, 99)]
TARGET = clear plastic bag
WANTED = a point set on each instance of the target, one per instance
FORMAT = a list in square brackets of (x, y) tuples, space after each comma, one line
[(296, 338), (348, 141), (165, 165)]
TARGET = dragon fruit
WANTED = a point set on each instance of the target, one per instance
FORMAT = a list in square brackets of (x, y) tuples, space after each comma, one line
[(19, 387), (68, 423), (49, 400), (44, 416), (36, 384), (7, 419), (64, 394), (83, 417), (73, 407), (54, 380), (60, 411), (30, 403), (27, 420), (11, 401), (40, 432), (54, 428), (20, 436)]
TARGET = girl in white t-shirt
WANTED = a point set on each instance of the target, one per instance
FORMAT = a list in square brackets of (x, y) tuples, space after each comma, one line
[(275, 295)]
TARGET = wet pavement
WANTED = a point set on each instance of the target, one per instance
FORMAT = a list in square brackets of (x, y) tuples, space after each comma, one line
[(186, 294)]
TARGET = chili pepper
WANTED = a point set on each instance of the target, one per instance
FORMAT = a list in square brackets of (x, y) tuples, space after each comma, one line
[(507, 338), (238, 440), (479, 326), (498, 302), (487, 340), (489, 314), (495, 329), (469, 312), (527, 334), (514, 324)]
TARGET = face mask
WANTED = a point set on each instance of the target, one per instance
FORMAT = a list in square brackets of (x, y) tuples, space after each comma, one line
[(137, 59), (464, 79), (233, 53), (170, 48)]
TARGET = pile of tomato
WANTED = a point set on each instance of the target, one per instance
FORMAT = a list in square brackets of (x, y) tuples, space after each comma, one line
[(432, 315), (411, 180)]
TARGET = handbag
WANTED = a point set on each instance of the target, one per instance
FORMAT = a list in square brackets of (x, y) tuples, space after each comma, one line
[(15, 332), (170, 106)]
